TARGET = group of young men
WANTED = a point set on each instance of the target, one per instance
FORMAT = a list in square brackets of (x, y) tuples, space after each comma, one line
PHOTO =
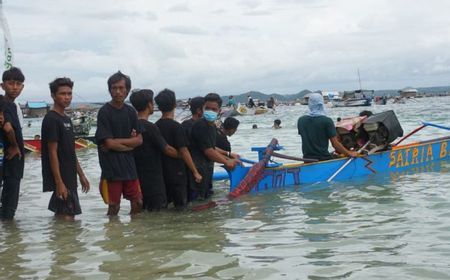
[(150, 164)]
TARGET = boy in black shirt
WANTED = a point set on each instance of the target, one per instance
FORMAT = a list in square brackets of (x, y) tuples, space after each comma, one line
[(204, 151), (228, 128), (148, 156), (174, 169), (118, 134), (60, 165), (196, 108), (13, 164)]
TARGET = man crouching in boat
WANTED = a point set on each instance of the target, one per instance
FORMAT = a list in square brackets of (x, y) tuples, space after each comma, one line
[(316, 129)]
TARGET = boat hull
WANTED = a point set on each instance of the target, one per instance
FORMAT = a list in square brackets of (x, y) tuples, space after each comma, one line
[(352, 103), (395, 160), (34, 146)]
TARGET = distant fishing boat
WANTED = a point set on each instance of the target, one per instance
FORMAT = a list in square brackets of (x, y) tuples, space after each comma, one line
[(354, 98), (34, 145)]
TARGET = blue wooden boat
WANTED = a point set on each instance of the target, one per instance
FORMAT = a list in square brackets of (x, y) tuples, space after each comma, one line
[(399, 158)]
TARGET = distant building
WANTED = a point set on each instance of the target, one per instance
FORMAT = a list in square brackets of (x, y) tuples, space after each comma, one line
[(35, 109)]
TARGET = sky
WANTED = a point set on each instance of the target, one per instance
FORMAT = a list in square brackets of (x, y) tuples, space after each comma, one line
[(229, 47)]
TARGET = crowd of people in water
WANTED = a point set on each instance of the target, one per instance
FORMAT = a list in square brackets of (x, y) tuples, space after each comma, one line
[(153, 165)]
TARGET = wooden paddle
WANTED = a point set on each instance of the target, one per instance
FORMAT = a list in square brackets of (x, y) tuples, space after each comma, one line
[(294, 158), (347, 163), (409, 134), (424, 124)]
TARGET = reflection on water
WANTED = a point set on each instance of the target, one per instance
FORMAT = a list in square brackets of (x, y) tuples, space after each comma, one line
[(394, 226)]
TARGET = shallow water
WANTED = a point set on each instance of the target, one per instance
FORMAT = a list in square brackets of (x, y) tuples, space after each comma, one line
[(393, 226)]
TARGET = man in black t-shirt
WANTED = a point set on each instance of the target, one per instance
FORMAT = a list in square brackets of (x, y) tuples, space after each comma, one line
[(59, 161), (196, 108), (204, 151), (13, 164), (118, 134), (148, 156), (174, 169)]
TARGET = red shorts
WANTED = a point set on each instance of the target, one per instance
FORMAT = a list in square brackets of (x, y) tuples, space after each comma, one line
[(111, 191)]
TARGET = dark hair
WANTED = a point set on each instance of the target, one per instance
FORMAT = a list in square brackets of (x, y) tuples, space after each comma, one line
[(140, 99), (60, 82), (13, 74), (213, 97), (230, 123), (2, 103), (277, 121), (166, 100), (365, 113), (196, 103), (118, 76)]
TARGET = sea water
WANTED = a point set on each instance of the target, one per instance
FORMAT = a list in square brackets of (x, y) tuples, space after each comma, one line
[(391, 226)]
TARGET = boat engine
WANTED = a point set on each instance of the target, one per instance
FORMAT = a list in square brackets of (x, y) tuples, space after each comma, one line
[(382, 129), (348, 130)]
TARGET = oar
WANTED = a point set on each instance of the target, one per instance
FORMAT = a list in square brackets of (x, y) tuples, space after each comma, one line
[(424, 124), (294, 158), (409, 134), (346, 163)]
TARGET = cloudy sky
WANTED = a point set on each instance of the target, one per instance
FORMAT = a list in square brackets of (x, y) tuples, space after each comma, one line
[(230, 47)]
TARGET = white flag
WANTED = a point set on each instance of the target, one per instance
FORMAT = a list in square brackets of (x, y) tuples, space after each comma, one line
[(9, 59)]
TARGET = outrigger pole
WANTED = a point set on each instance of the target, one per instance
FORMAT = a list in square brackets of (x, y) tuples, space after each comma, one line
[(9, 58)]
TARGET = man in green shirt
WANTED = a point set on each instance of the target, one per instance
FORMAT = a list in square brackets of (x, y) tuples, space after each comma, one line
[(316, 129)]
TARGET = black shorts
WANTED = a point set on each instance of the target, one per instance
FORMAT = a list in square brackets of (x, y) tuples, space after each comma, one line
[(70, 206)]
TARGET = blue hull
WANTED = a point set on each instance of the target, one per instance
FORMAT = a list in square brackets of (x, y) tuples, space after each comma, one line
[(399, 159)]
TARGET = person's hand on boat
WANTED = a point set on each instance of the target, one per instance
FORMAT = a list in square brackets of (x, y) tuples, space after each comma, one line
[(234, 155), (353, 154), (85, 186), (198, 177), (12, 152), (231, 163)]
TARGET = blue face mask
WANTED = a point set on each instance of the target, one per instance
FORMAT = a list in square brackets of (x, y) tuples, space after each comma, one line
[(210, 115)]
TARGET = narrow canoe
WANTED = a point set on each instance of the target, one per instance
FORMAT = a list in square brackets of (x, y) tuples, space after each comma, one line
[(396, 160)]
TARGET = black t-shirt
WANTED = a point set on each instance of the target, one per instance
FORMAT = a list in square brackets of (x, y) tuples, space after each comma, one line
[(116, 123), (187, 127), (58, 128), (173, 133), (2, 152), (14, 167), (222, 141), (203, 136), (148, 158)]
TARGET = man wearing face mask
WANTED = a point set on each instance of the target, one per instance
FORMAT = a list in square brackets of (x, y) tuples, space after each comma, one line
[(203, 146)]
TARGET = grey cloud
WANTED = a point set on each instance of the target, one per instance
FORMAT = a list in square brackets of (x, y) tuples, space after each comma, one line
[(181, 7), (184, 30)]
